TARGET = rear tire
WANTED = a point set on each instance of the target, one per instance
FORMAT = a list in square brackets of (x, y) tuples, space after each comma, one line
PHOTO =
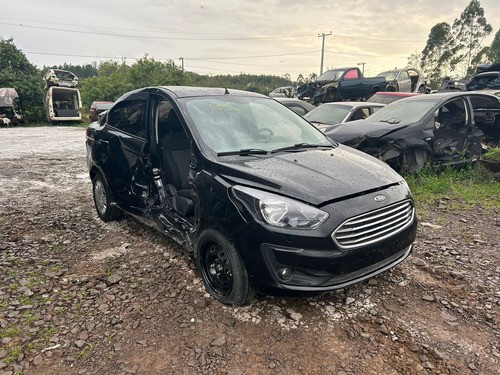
[(222, 269), (102, 200)]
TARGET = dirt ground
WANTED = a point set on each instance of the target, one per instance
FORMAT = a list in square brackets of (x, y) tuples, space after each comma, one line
[(79, 296)]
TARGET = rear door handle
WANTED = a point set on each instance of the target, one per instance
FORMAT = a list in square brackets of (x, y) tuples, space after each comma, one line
[(102, 142)]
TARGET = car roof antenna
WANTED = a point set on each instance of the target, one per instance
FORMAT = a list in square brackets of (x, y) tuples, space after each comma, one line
[(226, 91)]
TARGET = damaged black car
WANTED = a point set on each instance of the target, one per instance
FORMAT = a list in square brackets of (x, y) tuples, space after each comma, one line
[(442, 129), (264, 200)]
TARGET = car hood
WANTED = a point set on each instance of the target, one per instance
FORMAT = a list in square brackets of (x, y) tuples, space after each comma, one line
[(315, 176), (348, 133)]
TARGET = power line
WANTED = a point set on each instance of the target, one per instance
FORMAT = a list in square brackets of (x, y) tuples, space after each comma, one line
[(150, 37), (171, 58), (160, 30), (366, 55), (373, 37)]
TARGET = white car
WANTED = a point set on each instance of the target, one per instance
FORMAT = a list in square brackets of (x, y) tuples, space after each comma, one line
[(330, 114)]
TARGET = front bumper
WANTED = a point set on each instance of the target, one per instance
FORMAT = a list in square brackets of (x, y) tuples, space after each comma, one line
[(285, 262)]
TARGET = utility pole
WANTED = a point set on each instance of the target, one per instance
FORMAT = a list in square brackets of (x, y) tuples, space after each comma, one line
[(182, 62), (323, 35), (362, 63)]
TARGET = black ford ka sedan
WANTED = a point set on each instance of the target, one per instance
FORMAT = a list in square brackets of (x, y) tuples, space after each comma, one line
[(267, 203)]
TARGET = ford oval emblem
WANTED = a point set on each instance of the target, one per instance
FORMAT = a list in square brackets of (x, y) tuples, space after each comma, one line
[(379, 198)]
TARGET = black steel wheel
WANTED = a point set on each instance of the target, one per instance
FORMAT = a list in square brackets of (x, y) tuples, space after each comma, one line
[(222, 269), (102, 200)]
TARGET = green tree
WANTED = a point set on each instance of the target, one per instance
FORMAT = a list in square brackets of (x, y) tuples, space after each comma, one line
[(17, 72), (114, 79), (494, 52), (469, 31), (436, 54), (414, 60)]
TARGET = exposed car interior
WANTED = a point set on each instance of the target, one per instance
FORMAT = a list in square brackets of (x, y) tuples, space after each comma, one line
[(451, 130), (176, 152)]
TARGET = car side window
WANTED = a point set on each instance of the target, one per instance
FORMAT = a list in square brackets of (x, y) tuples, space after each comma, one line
[(128, 116), (404, 76), (360, 114), (352, 74)]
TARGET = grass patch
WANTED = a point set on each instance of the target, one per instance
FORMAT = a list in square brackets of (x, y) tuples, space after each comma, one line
[(493, 154), (47, 333), (460, 188), (12, 355), (12, 331)]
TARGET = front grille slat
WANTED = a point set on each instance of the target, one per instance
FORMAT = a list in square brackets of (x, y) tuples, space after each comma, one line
[(374, 226), (394, 223), (396, 216)]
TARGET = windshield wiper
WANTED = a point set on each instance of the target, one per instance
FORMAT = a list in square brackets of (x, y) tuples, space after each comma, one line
[(299, 146), (244, 152)]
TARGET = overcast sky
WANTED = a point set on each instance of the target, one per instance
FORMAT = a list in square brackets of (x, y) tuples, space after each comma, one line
[(231, 36)]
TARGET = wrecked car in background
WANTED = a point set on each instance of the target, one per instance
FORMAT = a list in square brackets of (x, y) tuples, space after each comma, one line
[(8, 102), (404, 80), (452, 85), (300, 107), (331, 114), (443, 129), (63, 102), (341, 84), (484, 81), (98, 107), (227, 174), (61, 78), (283, 92)]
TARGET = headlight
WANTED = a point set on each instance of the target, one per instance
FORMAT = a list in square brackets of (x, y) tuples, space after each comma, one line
[(279, 211)]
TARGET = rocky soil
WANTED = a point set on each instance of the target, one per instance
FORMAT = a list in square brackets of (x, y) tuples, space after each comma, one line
[(79, 296)]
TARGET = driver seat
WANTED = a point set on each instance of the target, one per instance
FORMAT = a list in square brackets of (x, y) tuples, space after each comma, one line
[(176, 154)]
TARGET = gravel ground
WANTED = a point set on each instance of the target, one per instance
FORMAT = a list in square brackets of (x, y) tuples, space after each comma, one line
[(79, 296)]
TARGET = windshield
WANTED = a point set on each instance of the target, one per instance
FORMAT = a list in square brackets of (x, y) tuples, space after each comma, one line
[(404, 112), (331, 75), (330, 114), (230, 123)]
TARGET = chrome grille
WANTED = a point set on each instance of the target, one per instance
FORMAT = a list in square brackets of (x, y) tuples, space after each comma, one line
[(374, 226)]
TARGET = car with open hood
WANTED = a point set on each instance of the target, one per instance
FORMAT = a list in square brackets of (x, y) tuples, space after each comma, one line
[(441, 128), (265, 201)]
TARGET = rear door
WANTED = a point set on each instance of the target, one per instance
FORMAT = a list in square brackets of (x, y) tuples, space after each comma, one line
[(125, 157)]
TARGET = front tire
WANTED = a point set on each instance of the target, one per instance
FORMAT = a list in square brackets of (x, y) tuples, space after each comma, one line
[(102, 200), (222, 269)]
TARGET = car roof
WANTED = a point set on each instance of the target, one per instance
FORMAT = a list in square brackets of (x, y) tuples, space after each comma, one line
[(446, 95), (355, 104), (188, 91)]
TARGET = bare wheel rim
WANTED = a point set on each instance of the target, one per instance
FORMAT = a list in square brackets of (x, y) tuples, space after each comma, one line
[(101, 201), (217, 269)]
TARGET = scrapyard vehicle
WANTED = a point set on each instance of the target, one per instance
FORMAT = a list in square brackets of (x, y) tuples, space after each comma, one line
[(341, 84), (404, 80), (452, 85), (227, 174), (63, 102), (61, 78), (8, 113), (484, 81), (443, 129)]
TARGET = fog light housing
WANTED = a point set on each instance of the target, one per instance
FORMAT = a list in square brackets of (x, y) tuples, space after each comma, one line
[(285, 274)]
